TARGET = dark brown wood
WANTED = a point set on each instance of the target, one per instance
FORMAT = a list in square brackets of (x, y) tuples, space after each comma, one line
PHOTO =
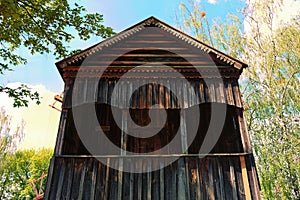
[(243, 131), (227, 172), (214, 178)]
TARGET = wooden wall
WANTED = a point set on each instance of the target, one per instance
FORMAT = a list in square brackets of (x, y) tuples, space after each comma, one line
[(214, 177), (230, 140)]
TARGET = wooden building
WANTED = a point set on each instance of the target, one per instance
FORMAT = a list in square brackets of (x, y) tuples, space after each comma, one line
[(227, 171)]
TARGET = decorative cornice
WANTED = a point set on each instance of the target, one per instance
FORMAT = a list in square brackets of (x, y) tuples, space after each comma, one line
[(117, 72)]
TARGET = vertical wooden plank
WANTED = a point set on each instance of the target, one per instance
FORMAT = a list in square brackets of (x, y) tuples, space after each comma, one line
[(107, 185), (203, 178), (210, 184), (168, 181), (113, 190), (181, 186), (68, 90), (87, 184), (207, 92), (252, 176), (49, 178), (243, 131), (173, 100), (61, 133), (142, 95), (218, 97), (222, 92), (193, 176), (120, 178), (111, 85), (187, 178), (139, 185), (161, 181), (245, 178), (129, 94), (238, 177), (184, 95), (198, 182), (212, 92), (161, 99), (201, 92), (124, 91), (183, 132), (82, 178), (167, 95), (100, 181), (120, 161), (100, 91), (75, 187), (229, 93), (55, 178), (149, 179), (227, 179), (61, 179), (144, 181), (85, 91), (70, 178), (233, 180), (174, 182), (126, 180), (221, 180), (216, 178), (237, 94), (94, 179), (149, 95), (105, 91), (131, 186)]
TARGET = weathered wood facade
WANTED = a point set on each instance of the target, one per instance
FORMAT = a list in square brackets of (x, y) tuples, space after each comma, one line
[(227, 172)]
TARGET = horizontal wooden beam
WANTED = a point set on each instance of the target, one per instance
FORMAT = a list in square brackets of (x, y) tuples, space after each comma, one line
[(152, 55), (150, 48), (151, 63), (153, 156), (151, 42)]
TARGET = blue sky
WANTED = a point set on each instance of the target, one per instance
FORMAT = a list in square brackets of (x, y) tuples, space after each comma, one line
[(41, 74), (119, 15)]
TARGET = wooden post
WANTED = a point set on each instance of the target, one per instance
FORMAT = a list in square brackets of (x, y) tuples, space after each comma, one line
[(183, 133), (123, 153), (243, 131), (245, 178)]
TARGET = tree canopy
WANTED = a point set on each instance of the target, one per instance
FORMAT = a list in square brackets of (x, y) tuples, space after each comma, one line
[(270, 85), (23, 169), (42, 26)]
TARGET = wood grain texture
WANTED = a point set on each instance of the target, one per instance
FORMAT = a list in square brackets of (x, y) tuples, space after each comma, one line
[(214, 177)]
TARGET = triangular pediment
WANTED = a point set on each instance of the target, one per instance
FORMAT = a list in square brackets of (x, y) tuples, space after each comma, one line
[(151, 41)]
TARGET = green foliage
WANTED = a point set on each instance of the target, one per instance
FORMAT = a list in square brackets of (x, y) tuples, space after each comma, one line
[(21, 168), (21, 95), (8, 138), (42, 26), (270, 87), (271, 94)]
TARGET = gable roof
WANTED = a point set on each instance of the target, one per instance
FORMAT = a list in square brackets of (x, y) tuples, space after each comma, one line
[(154, 22)]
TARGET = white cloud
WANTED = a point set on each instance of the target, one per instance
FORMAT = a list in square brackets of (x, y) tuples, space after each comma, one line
[(208, 1), (41, 121), (212, 1)]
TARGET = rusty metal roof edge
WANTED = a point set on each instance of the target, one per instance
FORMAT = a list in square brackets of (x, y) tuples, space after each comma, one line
[(141, 25)]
